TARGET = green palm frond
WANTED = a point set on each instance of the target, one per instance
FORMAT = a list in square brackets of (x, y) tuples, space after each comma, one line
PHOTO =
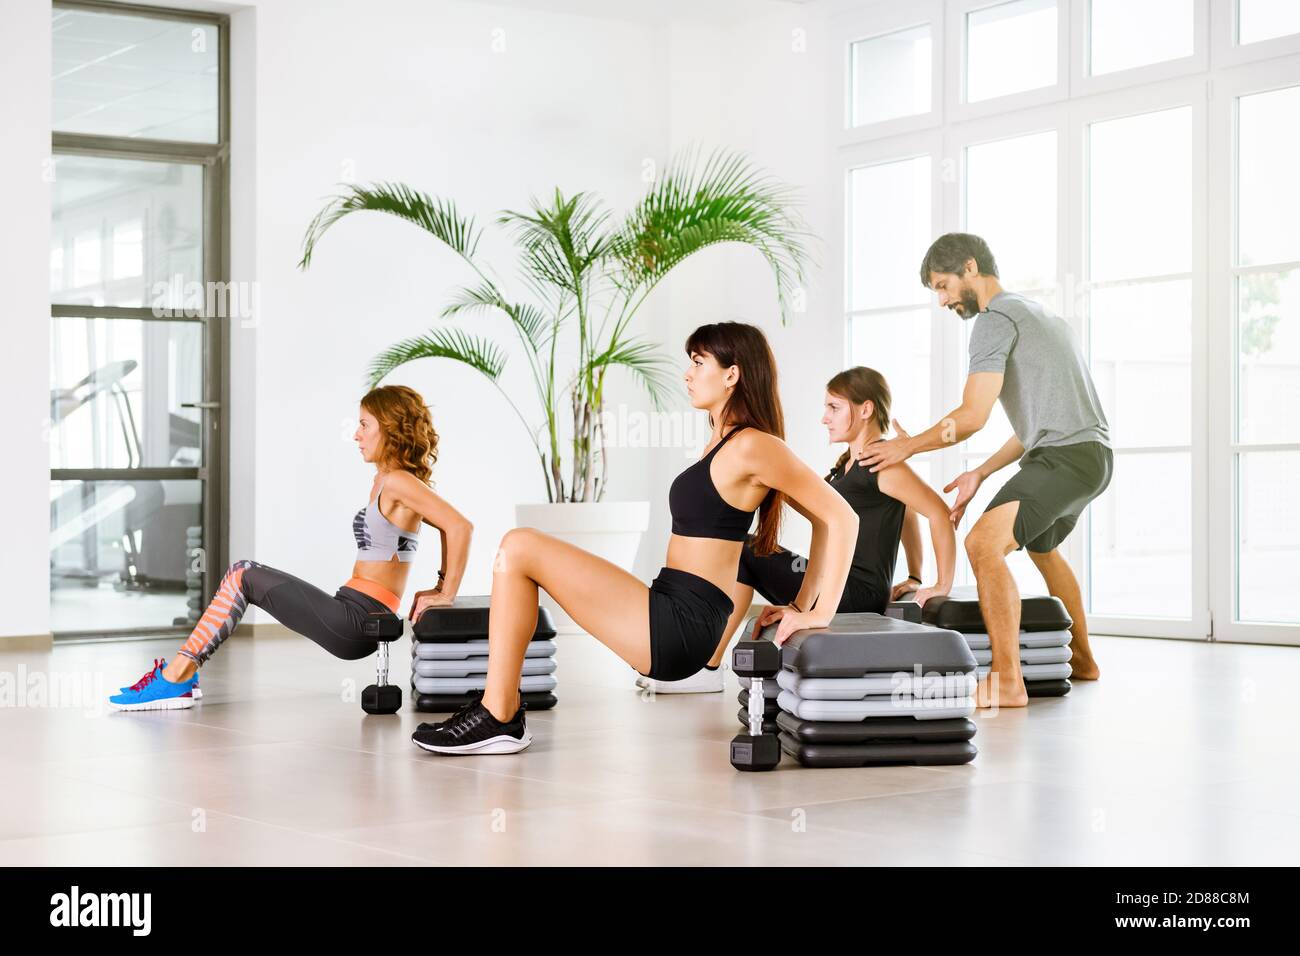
[(439, 343), (693, 207), (531, 321), (563, 241), (438, 217), (646, 364)]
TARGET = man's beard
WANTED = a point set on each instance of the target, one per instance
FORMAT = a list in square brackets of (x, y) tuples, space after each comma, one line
[(969, 302)]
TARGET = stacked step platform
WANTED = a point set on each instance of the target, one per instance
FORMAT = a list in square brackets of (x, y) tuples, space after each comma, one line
[(869, 690), (449, 657), (1044, 638)]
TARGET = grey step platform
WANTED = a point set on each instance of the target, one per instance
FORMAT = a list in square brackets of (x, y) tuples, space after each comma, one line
[(1028, 655), (854, 645), (477, 665), (918, 708), (981, 642), (878, 754), (877, 685), (960, 611), (467, 618), (879, 730), (541, 684), (1038, 672), (477, 648), (446, 703), (1047, 688)]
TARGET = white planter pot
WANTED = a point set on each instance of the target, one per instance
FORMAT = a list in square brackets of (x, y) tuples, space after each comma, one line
[(609, 529)]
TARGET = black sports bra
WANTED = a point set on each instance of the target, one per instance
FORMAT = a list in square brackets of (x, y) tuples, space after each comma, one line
[(698, 510)]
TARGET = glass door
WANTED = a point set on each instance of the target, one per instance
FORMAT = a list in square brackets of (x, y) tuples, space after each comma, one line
[(137, 192)]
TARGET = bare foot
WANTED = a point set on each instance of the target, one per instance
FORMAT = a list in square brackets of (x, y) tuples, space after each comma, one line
[(1083, 665), (1000, 692), (1083, 668)]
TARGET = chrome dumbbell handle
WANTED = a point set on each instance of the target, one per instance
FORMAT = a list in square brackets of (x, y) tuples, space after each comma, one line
[(756, 704), (382, 670)]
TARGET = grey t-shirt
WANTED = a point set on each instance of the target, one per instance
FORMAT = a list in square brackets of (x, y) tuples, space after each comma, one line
[(1047, 391)]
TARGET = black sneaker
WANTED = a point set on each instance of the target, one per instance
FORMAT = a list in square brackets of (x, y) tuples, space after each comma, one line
[(470, 701), (473, 730)]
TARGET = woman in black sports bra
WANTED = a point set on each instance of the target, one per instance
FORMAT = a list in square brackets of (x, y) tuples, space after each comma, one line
[(887, 504), (671, 629)]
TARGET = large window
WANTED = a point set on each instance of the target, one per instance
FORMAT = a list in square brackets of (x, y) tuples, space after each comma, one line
[(1266, 300), (1139, 311), (140, 136), (888, 317), (1131, 166)]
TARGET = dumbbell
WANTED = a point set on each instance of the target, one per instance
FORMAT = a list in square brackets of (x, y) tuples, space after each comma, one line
[(382, 697), (755, 750)]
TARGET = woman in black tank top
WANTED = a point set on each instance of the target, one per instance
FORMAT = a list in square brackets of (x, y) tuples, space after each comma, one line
[(669, 630), (887, 504)]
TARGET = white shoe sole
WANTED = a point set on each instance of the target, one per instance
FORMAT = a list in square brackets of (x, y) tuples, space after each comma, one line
[(503, 744), (681, 687), (171, 703), (196, 692)]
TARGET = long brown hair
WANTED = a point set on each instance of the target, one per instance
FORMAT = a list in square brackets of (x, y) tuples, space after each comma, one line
[(859, 385), (410, 442), (754, 401)]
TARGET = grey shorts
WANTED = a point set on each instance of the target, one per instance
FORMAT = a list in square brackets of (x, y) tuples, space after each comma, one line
[(1054, 484)]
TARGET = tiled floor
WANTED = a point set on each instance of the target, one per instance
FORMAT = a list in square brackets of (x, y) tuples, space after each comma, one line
[(1182, 753)]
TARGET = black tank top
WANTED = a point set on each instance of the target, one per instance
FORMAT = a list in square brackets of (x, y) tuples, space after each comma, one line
[(880, 528), (698, 510)]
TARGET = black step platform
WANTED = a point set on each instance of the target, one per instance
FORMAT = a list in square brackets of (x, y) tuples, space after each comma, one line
[(467, 618), (1047, 688), (878, 754), (877, 730), (962, 613)]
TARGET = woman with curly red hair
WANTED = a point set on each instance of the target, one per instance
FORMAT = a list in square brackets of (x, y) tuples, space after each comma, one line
[(396, 434)]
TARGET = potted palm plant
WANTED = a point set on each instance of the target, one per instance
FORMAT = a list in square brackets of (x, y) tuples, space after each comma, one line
[(587, 275)]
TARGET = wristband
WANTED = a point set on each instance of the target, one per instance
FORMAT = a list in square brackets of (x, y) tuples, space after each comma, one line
[(913, 577)]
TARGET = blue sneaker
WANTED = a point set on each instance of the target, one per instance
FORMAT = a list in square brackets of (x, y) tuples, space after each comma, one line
[(154, 692), (162, 662)]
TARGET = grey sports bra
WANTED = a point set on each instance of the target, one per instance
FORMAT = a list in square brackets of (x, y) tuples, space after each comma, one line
[(378, 539)]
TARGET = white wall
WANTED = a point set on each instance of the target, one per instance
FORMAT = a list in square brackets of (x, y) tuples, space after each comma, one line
[(759, 84), (574, 101), (570, 101), (581, 95)]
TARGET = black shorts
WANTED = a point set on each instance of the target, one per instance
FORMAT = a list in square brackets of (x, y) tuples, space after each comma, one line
[(779, 576), (687, 617), (1054, 484)]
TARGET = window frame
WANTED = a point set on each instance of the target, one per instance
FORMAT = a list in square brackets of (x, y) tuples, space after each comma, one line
[(1083, 82), (1227, 51), (958, 109), (1245, 80), (1208, 83), (879, 20)]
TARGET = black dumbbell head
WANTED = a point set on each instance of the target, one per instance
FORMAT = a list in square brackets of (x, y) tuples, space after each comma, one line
[(756, 659), (381, 699), (755, 753)]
